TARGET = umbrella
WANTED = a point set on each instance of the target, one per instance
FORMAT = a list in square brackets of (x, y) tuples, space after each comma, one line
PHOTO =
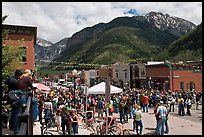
[(41, 86)]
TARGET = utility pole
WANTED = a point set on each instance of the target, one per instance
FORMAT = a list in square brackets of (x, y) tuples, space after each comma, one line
[(107, 100), (85, 101)]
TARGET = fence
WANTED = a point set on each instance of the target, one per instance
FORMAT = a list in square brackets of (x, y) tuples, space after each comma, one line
[(25, 118)]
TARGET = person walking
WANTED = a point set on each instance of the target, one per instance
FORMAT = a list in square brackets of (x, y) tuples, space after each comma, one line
[(48, 109), (145, 101), (58, 119), (126, 110), (172, 103), (65, 120), (138, 120), (181, 111), (121, 110), (75, 121), (100, 107), (188, 105), (40, 107), (198, 96), (134, 109), (166, 121), (161, 112)]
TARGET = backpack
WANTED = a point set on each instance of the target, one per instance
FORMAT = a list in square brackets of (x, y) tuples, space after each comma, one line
[(100, 105), (65, 118), (13, 98)]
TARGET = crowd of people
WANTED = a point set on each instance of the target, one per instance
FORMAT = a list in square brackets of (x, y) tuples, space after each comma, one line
[(62, 105)]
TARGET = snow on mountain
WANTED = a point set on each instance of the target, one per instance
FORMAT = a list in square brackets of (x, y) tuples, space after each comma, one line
[(171, 23), (43, 42)]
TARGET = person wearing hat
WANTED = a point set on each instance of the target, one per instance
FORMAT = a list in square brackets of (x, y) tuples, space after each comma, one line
[(161, 112), (137, 122)]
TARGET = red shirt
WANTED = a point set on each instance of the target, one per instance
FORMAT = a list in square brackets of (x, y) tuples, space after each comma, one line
[(145, 100)]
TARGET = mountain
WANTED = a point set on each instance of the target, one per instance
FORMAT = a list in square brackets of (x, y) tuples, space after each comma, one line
[(43, 42), (56, 49), (187, 47), (170, 24), (41, 49), (46, 50), (124, 38)]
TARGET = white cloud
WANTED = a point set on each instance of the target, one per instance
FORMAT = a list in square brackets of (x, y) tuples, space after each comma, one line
[(56, 20)]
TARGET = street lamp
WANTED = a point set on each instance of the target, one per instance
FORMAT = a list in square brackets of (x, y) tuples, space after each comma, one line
[(74, 73)]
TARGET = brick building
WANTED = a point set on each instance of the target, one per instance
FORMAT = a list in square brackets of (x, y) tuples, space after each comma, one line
[(167, 76), (28, 35)]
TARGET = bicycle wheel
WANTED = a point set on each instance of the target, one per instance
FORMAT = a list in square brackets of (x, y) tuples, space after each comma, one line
[(126, 132), (98, 129), (47, 133), (118, 131), (111, 132)]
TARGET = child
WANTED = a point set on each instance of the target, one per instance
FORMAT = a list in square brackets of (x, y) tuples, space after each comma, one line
[(58, 119)]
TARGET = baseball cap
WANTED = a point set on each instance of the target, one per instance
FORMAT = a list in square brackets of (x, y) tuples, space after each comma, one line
[(161, 102)]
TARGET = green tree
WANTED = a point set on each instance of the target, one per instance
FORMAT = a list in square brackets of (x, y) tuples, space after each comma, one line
[(11, 56)]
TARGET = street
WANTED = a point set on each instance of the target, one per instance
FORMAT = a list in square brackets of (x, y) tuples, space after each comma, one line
[(178, 125)]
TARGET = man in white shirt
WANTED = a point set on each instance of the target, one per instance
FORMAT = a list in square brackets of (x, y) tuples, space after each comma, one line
[(162, 112)]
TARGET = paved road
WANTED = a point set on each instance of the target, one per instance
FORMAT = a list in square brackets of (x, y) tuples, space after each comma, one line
[(178, 125)]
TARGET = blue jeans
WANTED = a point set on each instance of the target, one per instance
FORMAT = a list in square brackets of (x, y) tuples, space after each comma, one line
[(160, 126), (145, 107), (48, 115), (122, 116), (16, 110), (115, 108), (75, 129), (139, 124), (130, 112), (40, 115), (14, 122), (23, 99), (166, 127), (126, 116)]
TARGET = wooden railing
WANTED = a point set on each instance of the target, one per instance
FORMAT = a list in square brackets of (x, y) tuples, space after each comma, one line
[(26, 117)]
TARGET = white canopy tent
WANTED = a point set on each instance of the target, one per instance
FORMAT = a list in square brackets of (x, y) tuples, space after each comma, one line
[(100, 89)]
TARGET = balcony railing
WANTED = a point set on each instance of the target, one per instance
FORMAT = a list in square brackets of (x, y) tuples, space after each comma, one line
[(25, 118)]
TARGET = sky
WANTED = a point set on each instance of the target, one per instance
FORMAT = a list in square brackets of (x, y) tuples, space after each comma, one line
[(57, 20)]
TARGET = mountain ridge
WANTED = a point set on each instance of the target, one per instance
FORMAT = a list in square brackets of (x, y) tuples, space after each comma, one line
[(154, 32)]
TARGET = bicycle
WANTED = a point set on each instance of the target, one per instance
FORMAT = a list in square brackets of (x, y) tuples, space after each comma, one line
[(101, 128), (44, 127), (120, 130)]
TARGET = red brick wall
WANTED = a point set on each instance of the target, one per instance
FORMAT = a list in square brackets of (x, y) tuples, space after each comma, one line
[(187, 76), (28, 43), (157, 71)]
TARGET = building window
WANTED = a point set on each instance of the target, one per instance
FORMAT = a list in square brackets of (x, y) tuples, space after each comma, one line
[(192, 85), (182, 86), (125, 75), (116, 75), (23, 50), (188, 86), (136, 71), (142, 72)]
